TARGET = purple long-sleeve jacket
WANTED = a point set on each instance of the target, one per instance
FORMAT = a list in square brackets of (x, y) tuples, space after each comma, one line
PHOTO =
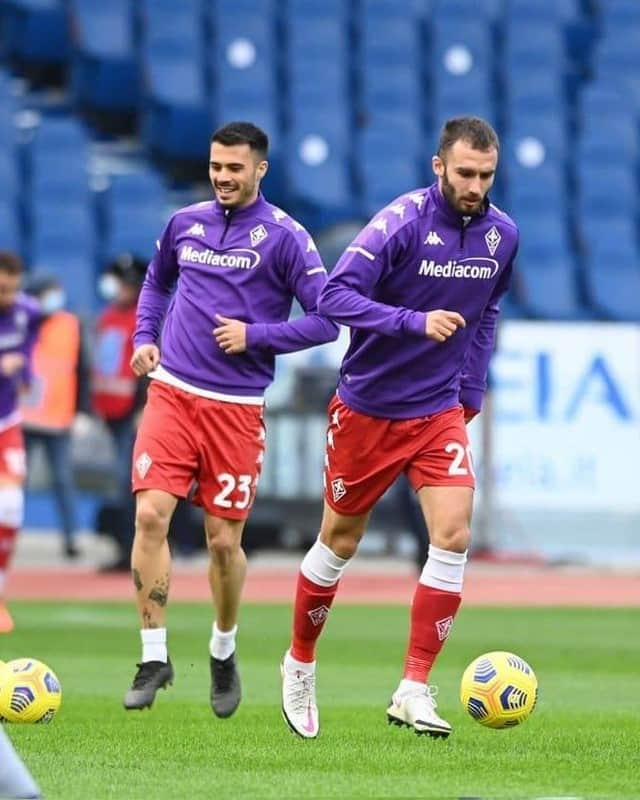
[(247, 264), (19, 326), (418, 255)]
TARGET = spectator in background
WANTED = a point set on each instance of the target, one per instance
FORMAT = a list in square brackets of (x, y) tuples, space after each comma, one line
[(19, 321), (58, 392), (117, 394)]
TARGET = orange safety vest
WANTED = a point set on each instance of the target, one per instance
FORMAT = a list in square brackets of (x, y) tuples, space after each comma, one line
[(50, 403)]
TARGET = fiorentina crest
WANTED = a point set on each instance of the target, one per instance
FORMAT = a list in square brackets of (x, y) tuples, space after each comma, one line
[(443, 626), (318, 615)]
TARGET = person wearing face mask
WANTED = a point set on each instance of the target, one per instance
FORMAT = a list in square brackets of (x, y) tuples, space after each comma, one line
[(116, 393), (58, 393)]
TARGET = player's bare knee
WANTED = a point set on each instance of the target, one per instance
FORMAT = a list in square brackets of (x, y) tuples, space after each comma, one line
[(152, 522), (342, 543), (454, 538), (223, 539)]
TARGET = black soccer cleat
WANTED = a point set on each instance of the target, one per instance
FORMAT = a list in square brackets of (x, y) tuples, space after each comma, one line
[(151, 676), (226, 692)]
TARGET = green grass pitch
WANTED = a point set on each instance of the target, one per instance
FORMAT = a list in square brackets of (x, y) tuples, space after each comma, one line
[(583, 740)]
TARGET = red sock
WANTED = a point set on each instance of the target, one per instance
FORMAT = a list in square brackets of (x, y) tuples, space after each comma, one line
[(7, 543), (311, 610), (432, 615)]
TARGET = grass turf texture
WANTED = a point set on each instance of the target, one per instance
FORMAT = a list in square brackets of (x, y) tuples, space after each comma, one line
[(582, 740)]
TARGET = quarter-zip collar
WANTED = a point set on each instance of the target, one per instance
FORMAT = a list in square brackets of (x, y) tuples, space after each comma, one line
[(239, 213), (450, 214)]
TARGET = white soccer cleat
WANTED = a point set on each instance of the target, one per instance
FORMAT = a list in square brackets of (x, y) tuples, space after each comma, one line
[(417, 710), (299, 707)]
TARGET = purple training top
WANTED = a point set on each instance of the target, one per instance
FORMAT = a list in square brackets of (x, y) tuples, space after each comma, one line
[(18, 332), (247, 264), (418, 255)]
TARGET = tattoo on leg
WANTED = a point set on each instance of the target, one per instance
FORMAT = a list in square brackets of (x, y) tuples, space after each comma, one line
[(147, 621), (137, 580), (160, 592)]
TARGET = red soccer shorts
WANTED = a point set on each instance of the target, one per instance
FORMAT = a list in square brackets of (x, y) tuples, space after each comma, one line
[(186, 441), (13, 463), (366, 454)]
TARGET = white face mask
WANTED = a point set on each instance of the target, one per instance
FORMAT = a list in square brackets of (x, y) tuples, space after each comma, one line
[(53, 301), (108, 287)]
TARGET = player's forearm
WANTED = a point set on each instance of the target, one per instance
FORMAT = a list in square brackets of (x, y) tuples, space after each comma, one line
[(349, 307), (152, 307), (473, 384), (289, 337)]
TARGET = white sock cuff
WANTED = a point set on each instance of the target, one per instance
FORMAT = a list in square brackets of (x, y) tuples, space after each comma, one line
[(322, 566), (153, 635), (444, 570), (215, 631)]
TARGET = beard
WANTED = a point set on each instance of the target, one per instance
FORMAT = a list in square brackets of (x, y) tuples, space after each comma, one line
[(449, 193)]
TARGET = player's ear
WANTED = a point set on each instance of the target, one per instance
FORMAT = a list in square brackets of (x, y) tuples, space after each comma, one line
[(263, 166), (437, 164)]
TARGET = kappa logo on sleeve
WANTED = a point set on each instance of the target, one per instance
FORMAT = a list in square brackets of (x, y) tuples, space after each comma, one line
[(197, 229)]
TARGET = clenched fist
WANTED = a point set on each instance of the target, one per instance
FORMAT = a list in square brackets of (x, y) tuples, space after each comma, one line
[(144, 359), (443, 324)]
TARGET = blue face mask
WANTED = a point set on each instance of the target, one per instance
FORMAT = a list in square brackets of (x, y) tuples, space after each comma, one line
[(53, 301), (108, 287)]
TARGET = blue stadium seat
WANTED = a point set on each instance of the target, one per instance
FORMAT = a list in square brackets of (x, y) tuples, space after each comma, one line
[(334, 122), (532, 45), (245, 55), (65, 245), (383, 179), (461, 46), (547, 287), (608, 141), (619, 15), (36, 31), (617, 62), (533, 92), (544, 188), (10, 234), (613, 234), (543, 234), (305, 11), (314, 81), (177, 117), (526, 12), (167, 21), (391, 90), (601, 99), (136, 213), (532, 142), (464, 10), (385, 41), (320, 177), (465, 94), (614, 288), (104, 66), (606, 191)]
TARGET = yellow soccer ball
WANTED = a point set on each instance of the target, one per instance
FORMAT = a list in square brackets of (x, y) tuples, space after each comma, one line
[(499, 689), (29, 691)]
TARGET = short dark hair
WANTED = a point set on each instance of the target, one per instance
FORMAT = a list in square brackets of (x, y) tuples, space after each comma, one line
[(243, 133), (477, 132), (11, 263)]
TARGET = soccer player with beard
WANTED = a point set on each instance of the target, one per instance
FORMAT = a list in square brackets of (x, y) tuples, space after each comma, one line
[(212, 315), (419, 287), (20, 318)]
